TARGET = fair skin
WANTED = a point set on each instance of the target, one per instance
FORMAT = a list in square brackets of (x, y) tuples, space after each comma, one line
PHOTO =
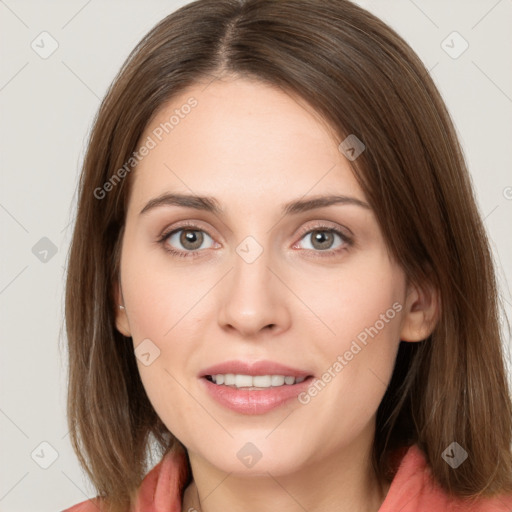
[(255, 148)]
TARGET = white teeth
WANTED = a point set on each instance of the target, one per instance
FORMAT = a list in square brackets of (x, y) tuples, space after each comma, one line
[(261, 381), (229, 379), (243, 381), (277, 380), (257, 381)]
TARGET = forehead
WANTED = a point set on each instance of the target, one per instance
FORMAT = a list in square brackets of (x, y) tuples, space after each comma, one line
[(240, 139)]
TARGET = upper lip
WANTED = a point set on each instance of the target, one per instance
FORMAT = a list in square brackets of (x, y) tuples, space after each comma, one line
[(253, 368)]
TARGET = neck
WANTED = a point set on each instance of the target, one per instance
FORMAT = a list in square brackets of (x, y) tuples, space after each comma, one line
[(344, 481)]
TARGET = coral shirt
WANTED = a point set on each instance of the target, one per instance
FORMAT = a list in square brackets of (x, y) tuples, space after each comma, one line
[(412, 490)]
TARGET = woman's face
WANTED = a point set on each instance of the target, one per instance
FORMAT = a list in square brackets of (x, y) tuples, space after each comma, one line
[(270, 277)]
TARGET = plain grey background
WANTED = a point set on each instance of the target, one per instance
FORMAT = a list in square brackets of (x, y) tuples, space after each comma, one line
[(48, 101)]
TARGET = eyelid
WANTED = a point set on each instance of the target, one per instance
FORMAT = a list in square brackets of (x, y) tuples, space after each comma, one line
[(326, 225), (192, 225)]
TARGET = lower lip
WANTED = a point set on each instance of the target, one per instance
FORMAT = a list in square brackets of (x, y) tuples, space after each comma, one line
[(256, 401)]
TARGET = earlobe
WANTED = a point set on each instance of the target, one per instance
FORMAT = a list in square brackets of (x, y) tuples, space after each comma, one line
[(122, 324), (421, 312)]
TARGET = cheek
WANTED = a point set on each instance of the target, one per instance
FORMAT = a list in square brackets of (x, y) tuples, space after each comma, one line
[(368, 309), (359, 301), (161, 299), (167, 304), (160, 307), (362, 307)]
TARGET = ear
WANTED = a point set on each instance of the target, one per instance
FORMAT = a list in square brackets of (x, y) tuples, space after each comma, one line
[(421, 312), (122, 324)]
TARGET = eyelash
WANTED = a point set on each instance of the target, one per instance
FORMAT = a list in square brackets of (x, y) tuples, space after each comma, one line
[(347, 241)]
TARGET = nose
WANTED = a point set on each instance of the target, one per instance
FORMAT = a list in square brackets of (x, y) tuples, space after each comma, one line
[(254, 298)]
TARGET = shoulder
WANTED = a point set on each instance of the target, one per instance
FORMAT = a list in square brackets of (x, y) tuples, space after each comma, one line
[(163, 485), (413, 489), (91, 505)]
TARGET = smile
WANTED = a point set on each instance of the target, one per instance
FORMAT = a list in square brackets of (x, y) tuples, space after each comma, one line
[(254, 382)]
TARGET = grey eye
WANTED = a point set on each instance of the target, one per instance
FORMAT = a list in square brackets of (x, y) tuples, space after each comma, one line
[(322, 239), (189, 239)]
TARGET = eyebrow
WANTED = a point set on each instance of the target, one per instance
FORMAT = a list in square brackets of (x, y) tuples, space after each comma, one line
[(210, 204)]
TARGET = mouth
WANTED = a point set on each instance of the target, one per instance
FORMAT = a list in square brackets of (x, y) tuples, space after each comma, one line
[(254, 382), (254, 387)]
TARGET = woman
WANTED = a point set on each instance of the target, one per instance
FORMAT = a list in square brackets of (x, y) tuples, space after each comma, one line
[(279, 278)]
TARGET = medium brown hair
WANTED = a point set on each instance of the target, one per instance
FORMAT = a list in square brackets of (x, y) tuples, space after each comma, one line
[(362, 79)]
